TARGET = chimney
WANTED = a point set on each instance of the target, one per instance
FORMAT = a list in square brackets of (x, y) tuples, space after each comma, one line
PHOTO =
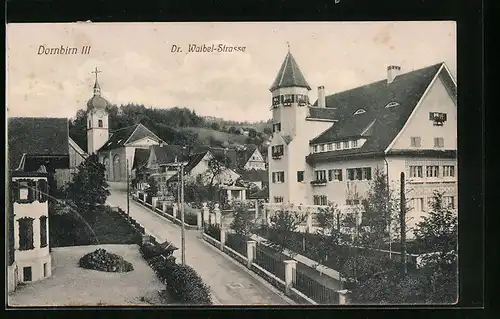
[(392, 72), (321, 96)]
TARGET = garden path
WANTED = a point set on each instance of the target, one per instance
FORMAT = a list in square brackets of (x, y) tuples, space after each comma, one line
[(229, 283)]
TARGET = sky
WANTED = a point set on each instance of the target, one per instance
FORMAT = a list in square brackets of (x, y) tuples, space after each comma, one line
[(138, 66)]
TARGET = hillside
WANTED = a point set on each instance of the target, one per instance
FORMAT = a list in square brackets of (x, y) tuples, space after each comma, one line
[(179, 126)]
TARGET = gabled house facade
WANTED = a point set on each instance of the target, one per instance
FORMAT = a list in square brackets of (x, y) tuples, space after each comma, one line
[(328, 151), (252, 158)]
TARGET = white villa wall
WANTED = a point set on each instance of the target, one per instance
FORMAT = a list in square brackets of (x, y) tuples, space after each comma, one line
[(437, 99), (37, 257)]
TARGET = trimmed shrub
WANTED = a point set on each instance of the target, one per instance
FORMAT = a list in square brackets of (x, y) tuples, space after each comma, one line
[(149, 250), (102, 260), (184, 284)]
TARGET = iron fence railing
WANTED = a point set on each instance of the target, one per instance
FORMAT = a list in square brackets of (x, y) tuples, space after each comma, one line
[(270, 262), (237, 243), (313, 289)]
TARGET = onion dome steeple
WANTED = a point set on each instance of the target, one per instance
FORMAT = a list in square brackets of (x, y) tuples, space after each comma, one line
[(289, 75), (97, 102)]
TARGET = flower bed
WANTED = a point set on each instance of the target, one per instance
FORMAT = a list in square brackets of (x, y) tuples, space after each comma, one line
[(102, 260)]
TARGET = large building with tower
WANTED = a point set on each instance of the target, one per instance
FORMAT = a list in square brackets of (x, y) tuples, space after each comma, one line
[(328, 151)]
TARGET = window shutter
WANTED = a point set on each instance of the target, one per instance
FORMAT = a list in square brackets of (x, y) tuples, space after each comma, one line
[(431, 116), (274, 177), (31, 191), (330, 173), (444, 116), (283, 177), (15, 191), (340, 175), (43, 190)]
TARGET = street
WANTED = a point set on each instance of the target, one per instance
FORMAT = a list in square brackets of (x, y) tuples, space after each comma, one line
[(229, 283)]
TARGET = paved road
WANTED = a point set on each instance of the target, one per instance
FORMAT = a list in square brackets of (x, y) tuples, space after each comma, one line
[(229, 283)]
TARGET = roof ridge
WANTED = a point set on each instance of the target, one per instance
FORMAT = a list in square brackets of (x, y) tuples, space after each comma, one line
[(123, 128)]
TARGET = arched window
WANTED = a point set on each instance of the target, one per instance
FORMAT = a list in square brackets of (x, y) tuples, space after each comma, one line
[(99, 123), (360, 111), (391, 104)]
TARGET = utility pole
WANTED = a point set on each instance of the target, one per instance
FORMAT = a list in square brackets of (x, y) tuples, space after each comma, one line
[(402, 221), (128, 192), (183, 235)]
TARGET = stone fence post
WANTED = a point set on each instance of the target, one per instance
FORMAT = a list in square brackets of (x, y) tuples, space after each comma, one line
[(174, 210), (290, 268), (344, 297), (309, 221), (153, 202), (256, 208), (206, 213), (251, 244), (199, 219), (222, 238), (164, 207), (217, 214)]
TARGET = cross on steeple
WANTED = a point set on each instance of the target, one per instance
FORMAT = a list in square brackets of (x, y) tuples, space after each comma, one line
[(97, 88)]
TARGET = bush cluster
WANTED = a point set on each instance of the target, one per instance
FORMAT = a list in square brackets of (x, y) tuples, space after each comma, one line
[(183, 284), (212, 231), (102, 260)]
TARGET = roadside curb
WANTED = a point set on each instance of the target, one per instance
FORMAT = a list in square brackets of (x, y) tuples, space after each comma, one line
[(256, 277)]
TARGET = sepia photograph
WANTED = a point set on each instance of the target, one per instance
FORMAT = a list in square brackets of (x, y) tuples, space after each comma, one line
[(231, 164)]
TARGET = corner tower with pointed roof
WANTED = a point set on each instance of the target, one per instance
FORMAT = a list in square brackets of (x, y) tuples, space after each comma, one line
[(289, 97), (97, 119)]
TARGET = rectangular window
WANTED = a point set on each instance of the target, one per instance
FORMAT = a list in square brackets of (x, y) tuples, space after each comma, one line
[(449, 202), (278, 199), (27, 274), (315, 149), (335, 175), (359, 174), (438, 142), (416, 172), (276, 100), (320, 200), (354, 144), (415, 142), (322, 148), (277, 151), (320, 175), (43, 231), (330, 147), (448, 171), (300, 176), (346, 145), (276, 127), (26, 233), (278, 177), (337, 145), (417, 204), (432, 171), (367, 173), (350, 174)]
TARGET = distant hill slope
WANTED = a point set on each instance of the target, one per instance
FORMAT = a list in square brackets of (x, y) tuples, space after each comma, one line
[(211, 135)]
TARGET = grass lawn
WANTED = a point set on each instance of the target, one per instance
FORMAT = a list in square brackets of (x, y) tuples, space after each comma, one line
[(71, 285), (107, 227)]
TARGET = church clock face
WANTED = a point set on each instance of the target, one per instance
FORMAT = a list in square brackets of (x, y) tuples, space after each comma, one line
[(100, 113)]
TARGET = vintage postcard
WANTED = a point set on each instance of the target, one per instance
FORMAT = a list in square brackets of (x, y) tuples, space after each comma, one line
[(159, 164)]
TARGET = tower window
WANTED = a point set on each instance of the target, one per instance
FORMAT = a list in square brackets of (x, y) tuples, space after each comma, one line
[(99, 123), (43, 231), (26, 233), (415, 141)]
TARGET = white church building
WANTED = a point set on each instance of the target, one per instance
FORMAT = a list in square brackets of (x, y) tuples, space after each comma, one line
[(328, 151)]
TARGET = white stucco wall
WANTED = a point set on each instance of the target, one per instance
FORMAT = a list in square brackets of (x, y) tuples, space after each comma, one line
[(437, 99), (37, 257), (96, 136)]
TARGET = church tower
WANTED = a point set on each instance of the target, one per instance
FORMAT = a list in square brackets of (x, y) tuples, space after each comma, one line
[(97, 119)]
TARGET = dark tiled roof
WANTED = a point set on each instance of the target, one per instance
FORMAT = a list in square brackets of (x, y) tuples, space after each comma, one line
[(166, 154), (324, 113), (129, 133), (141, 158), (194, 160), (289, 75), (379, 124), (254, 175), (36, 136), (219, 152)]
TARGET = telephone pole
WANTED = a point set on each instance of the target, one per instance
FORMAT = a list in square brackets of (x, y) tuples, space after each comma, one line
[(183, 234), (402, 221), (128, 192)]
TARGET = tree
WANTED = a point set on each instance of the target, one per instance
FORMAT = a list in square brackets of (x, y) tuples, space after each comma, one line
[(232, 130), (243, 223), (89, 189), (380, 210), (252, 133), (282, 224), (216, 166), (215, 126), (438, 233), (152, 189)]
